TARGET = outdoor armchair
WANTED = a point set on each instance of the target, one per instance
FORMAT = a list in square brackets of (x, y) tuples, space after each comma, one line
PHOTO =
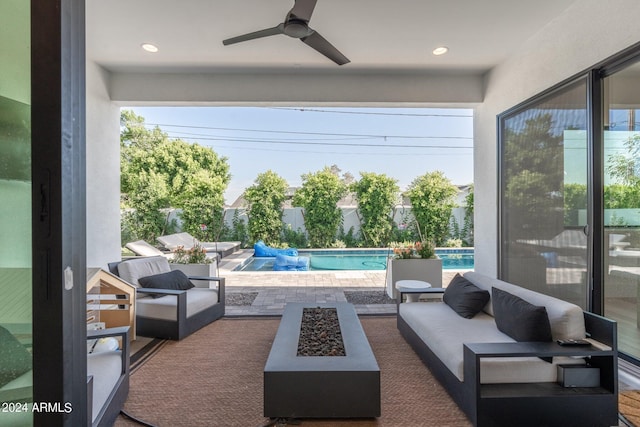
[(107, 379), (169, 305)]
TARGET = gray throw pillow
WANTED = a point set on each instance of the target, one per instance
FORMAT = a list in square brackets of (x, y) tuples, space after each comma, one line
[(16, 359), (464, 297)]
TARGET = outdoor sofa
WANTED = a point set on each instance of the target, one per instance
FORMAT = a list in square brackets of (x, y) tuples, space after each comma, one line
[(501, 381), (170, 304)]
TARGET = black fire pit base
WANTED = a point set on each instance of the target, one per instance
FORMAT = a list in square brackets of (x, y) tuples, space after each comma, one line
[(321, 386)]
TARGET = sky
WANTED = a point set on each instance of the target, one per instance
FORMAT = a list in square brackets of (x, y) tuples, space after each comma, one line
[(403, 143)]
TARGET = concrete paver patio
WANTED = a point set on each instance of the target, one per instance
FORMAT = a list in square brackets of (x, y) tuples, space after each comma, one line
[(275, 289)]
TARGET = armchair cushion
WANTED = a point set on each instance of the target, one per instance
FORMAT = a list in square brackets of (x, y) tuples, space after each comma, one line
[(198, 299), (175, 279), (106, 368), (16, 359)]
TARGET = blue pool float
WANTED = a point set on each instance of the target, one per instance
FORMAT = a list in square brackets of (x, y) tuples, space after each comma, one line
[(262, 250), (291, 263)]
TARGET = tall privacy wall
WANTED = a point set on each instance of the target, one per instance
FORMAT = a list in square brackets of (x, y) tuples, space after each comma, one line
[(293, 216)]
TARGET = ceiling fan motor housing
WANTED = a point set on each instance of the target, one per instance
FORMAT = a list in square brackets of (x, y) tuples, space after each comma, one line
[(296, 28)]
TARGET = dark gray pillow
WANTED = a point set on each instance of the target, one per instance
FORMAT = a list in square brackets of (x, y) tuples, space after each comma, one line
[(176, 280), (16, 359), (519, 319), (464, 297)]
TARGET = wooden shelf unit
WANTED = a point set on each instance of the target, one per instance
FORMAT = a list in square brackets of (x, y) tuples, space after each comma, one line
[(110, 300)]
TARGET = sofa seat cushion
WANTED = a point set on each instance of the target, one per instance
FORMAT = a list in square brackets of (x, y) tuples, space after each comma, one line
[(444, 332), (566, 319), (106, 368), (165, 307)]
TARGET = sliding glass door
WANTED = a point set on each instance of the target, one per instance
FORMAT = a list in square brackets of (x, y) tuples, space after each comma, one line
[(622, 205), (543, 194), (15, 211)]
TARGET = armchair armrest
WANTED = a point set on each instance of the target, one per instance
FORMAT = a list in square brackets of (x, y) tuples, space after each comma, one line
[(120, 331), (109, 332), (174, 292)]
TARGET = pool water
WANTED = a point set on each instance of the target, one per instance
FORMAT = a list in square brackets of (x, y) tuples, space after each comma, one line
[(372, 259)]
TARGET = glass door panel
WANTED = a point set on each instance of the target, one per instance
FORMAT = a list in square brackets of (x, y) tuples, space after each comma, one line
[(543, 186), (622, 205), (15, 212)]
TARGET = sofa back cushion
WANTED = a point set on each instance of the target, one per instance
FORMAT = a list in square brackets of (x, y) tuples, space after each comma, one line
[(566, 319), (464, 297), (132, 270)]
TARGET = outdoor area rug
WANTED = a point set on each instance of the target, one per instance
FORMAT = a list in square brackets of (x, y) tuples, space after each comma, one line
[(629, 406), (214, 378)]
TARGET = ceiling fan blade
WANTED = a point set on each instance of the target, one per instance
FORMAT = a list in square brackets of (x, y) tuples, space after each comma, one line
[(255, 35), (302, 9), (319, 43)]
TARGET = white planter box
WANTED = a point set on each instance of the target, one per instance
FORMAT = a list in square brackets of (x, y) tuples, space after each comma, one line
[(207, 270), (427, 270)]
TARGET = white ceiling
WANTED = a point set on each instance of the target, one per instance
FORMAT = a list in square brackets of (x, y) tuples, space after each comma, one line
[(376, 35)]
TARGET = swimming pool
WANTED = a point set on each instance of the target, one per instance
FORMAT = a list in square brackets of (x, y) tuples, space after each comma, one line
[(360, 259)]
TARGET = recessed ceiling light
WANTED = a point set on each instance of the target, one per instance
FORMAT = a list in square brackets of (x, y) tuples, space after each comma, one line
[(150, 47), (440, 50)]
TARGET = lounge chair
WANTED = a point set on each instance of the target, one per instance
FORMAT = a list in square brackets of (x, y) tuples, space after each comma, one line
[(142, 248), (187, 241)]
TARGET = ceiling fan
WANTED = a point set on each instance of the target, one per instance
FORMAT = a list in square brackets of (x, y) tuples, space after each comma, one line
[(296, 25)]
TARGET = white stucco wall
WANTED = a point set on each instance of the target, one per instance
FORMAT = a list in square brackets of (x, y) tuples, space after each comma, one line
[(103, 170), (587, 33)]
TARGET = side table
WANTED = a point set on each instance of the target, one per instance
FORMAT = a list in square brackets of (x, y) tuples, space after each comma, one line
[(412, 288)]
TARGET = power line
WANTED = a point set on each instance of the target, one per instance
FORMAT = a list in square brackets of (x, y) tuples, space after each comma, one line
[(344, 144), (360, 153), (177, 135), (316, 110), (310, 133)]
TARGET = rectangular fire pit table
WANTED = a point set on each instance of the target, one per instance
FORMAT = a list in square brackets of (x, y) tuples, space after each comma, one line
[(321, 386)]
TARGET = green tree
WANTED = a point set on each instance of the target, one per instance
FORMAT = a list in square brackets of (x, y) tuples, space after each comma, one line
[(265, 199), (467, 229), (319, 196), (432, 198), (145, 220), (159, 172), (575, 198), (534, 177), (376, 195), (624, 166)]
